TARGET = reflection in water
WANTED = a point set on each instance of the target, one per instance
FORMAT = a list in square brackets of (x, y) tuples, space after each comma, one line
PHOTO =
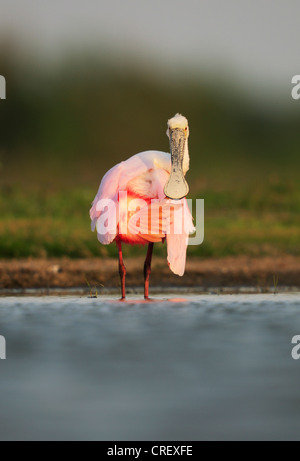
[(207, 367)]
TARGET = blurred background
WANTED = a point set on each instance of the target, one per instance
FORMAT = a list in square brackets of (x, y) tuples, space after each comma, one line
[(91, 83)]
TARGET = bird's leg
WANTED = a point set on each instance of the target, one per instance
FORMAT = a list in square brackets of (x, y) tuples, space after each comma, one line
[(147, 269), (122, 270)]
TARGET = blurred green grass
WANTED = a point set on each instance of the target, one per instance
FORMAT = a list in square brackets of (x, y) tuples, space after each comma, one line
[(57, 224), (64, 126)]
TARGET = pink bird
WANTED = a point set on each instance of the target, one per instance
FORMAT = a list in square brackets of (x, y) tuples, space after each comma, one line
[(142, 201)]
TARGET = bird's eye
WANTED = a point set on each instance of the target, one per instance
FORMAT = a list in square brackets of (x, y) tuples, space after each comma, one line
[(186, 128)]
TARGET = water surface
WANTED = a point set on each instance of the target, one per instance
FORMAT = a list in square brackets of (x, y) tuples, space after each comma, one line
[(210, 367)]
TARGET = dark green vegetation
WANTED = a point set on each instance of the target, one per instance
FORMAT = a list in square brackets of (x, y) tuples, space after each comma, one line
[(63, 127)]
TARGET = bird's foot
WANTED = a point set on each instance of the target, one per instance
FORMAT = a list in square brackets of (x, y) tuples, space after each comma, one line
[(147, 299)]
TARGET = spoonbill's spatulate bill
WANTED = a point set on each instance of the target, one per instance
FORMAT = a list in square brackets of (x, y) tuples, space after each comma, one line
[(142, 201)]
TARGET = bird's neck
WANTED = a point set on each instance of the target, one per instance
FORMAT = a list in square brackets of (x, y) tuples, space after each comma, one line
[(186, 158)]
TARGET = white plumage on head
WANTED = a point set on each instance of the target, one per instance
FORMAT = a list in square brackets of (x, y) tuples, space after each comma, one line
[(178, 121)]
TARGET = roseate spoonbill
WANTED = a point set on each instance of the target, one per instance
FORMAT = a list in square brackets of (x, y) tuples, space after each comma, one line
[(150, 180)]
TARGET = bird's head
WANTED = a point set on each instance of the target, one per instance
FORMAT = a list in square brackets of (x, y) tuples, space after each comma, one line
[(180, 123), (178, 132)]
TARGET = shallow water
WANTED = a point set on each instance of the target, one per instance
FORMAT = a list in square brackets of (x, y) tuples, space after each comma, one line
[(210, 367)]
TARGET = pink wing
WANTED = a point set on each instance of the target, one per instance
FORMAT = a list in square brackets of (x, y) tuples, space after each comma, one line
[(117, 178)]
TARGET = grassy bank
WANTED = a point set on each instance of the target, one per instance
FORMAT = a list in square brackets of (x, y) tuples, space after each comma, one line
[(55, 223)]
